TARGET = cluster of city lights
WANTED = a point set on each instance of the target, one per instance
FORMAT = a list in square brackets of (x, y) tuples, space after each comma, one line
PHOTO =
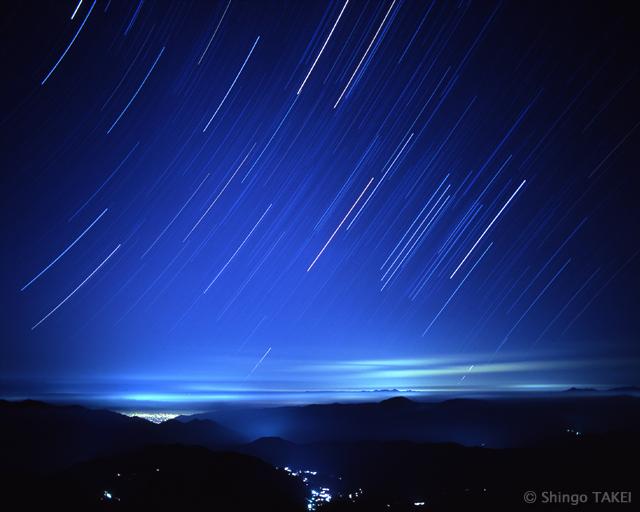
[(317, 496), (153, 417), (108, 496)]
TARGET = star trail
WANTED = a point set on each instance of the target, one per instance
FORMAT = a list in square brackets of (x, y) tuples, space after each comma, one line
[(298, 196)]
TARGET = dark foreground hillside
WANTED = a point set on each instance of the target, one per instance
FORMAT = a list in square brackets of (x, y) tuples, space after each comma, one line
[(395, 475), (170, 478)]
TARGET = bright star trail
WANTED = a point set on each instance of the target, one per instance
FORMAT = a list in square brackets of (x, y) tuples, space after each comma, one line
[(487, 229), (260, 361), (224, 98), (214, 33), (322, 49), (137, 91), (237, 250), (366, 52), (75, 289), (55, 260), (216, 198), (75, 11), (70, 43), (195, 193), (339, 225)]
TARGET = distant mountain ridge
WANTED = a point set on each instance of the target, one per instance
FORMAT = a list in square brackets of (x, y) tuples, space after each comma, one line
[(36, 434), (473, 422)]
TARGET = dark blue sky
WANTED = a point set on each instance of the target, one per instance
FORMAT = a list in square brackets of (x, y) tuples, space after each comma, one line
[(207, 199)]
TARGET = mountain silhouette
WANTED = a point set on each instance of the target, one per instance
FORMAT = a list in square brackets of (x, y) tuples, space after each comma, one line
[(74, 458), (448, 476), (160, 478), (498, 423), (44, 436)]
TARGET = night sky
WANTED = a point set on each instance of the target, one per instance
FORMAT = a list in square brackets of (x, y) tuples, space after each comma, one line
[(206, 200)]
